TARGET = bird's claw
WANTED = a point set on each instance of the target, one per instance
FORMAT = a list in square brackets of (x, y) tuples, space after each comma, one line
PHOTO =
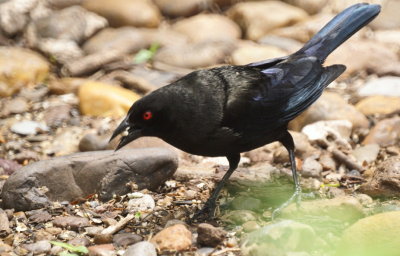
[(206, 213), (295, 197)]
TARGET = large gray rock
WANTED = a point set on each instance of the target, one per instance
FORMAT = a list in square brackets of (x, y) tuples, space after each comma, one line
[(78, 175)]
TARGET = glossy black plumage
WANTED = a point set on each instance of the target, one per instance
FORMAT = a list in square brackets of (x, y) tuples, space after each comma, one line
[(232, 109)]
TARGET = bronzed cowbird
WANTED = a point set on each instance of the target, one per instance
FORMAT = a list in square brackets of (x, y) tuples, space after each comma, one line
[(228, 110)]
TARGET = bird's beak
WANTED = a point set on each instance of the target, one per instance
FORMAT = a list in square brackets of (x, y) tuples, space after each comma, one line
[(133, 133)]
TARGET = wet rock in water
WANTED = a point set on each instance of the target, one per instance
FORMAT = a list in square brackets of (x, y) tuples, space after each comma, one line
[(251, 16), (141, 249), (71, 222), (78, 175), (385, 133), (208, 235), (343, 208), (381, 60), (371, 236), (385, 181), (208, 27), (125, 39), (239, 216), (102, 250), (245, 203), (41, 247), (93, 142), (283, 237), (367, 153), (100, 99), (330, 106), (72, 23), (196, 55), (327, 132), (8, 167), (140, 203), (385, 86), (177, 8), (28, 128), (119, 12), (379, 105), (20, 68), (17, 105), (311, 168), (249, 52), (173, 238), (125, 239)]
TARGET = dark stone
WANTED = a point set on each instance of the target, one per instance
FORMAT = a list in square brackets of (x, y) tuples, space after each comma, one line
[(71, 177), (125, 239), (208, 235)]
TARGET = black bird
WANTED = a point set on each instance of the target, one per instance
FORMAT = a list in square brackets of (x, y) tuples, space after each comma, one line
[(232, 109)]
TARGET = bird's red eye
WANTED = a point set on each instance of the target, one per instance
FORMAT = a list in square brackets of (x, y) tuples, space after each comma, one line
[(147, 115)]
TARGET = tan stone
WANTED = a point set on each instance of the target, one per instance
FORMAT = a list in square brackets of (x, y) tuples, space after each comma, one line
[(378, 105), (330, 106), (208, 27), (259, 18), (385, 133), (20, 68), (138, 13), (173, 238), (100, 99), (66, 85), (251, 52)]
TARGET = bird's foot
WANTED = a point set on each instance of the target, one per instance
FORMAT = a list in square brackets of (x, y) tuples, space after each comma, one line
[(206, 213), (295, 197)]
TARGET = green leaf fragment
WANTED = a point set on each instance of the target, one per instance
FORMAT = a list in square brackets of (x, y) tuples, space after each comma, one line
[(145, 55), (70, 247)]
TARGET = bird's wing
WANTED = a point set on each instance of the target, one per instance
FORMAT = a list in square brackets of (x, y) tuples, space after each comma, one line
[(279, 94)]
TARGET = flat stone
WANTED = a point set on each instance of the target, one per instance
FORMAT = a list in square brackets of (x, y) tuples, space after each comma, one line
[(71, 222), (249, 52), (38, 247), (367, 153), (311, 168), (126, 239), (385, 181), (379, 105), (28, 128), (142, 203), (384, 86), (4, 223), (178, 8), (101, 250), (78, 175), (330, 106)]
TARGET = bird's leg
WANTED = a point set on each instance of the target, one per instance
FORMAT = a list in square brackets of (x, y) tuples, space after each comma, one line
[(209, 207), (287, 141)]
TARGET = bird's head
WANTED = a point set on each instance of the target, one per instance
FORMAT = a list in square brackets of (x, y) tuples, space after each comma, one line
[(146, 117)]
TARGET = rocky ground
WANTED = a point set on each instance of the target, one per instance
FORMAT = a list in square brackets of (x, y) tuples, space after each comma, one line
[(70, 69)]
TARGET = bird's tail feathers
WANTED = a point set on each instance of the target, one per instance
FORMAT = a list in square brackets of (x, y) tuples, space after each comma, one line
[(339, 29)]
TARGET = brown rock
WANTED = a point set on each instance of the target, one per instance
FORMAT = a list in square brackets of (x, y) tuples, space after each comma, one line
[(208, 235), (388, 18), (310, 6), (208, 27), (311, 168), (100, 99), (251, 16), (4, 223), (327, 162), (137, 13), (66, 85), (178, 8), (20, 68), (70, 222), (330, 106), (385, 181), (125, 239), (250, 52), (385, 133), (378, 105), (173, 238), (101, 250)]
